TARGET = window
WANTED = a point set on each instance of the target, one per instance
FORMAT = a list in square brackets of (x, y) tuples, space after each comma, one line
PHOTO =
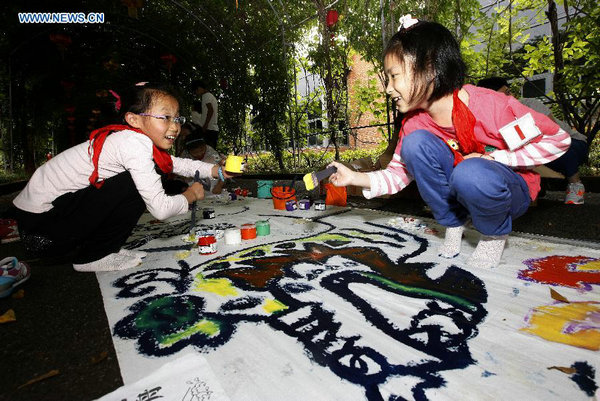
[(535, 88)]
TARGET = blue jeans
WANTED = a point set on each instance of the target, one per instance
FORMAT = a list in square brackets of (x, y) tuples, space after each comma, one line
[(488, 191), (568, 164)]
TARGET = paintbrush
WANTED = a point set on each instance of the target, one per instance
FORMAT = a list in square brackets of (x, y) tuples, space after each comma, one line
[(311, 180), (193, 223)]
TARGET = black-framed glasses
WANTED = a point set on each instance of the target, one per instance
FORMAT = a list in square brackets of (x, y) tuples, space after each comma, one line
[(177, 120)]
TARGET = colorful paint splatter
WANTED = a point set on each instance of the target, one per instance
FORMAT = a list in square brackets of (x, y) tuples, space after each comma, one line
[(336, 305), (568, 271)]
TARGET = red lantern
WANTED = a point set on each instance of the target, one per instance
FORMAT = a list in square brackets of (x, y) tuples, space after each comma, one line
[(70, 109), (169, 60), (71, 119), (332, 18)]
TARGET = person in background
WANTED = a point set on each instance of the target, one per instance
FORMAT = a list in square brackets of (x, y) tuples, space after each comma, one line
[(196, 148), (206, 113), (450, 144), (569, 163)]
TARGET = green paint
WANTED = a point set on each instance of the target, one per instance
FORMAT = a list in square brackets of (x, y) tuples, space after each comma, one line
[(273, 306), (154, 316), (421, 291), (204, 326), (263, 228)]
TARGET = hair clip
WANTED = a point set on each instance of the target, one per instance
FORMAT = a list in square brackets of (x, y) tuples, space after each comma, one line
[(143, 83), (118, 102), (406, 21)]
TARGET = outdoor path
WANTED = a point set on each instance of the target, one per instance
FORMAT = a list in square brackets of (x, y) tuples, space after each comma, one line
[(62, 329)]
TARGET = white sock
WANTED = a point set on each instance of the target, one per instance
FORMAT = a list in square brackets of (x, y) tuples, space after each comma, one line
[(488, 252), (131, 252), (451, 246), (111, 262)]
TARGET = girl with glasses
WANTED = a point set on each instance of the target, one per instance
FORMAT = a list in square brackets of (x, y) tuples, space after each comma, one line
[(88, 198)]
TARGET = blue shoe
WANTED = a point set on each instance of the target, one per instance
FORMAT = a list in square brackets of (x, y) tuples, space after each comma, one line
[(12, 274)]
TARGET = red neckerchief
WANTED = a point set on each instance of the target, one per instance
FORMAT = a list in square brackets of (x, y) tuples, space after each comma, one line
[(161, 157), (464, 124)]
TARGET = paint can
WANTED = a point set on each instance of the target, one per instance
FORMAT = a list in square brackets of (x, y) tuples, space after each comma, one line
[(263, 228), (291, 205), (208, 213), (320, 205), (248, 231), (233, 236), (281, 195), (219, 234), (235, 164), (304, 204), (207, 245), (263, 189)]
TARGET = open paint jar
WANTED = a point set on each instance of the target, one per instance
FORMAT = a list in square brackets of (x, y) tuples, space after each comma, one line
[(207, 245), (320, 205), (233, 236), (291, 205), (263, 228), (304, 204), (248, 231)]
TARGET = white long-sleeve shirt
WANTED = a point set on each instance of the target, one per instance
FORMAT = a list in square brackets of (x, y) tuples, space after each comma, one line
[(69, 171)]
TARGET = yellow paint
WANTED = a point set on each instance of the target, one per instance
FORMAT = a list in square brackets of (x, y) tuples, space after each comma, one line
[(324, 237), (208, 327), (219, 286), (590, 266), (182, 255), (550, 322), (273, 305), (365, 235)]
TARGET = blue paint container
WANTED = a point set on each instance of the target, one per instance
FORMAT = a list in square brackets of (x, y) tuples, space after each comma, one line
[(304, 204), (291, 205)]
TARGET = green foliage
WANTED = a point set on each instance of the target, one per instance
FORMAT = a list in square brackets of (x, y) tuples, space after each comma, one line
[(592, 167), (7, 177), (311, 160)]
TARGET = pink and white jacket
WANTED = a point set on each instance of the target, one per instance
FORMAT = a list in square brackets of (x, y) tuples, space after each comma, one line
[(493, 110)]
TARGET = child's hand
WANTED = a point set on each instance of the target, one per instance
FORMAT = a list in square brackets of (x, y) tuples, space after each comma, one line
[(343, 176), (478, 155), (226, 174), (194, 192)]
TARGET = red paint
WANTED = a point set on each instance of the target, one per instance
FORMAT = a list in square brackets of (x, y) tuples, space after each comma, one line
[(561, 270), (206, 240), (248, 231), (518, 129)]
